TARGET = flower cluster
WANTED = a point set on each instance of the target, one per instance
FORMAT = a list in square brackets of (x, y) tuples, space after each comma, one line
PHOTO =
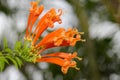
[(57, 38)]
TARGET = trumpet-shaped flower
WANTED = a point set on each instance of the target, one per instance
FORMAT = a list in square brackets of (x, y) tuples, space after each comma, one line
[(57, 38), (62, 59)]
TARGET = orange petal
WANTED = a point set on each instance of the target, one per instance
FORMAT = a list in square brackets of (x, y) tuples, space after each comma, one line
[(57, 61), (60, 55), (34, 14), (46, 21), (48, 39), (64, 69), (64, 63), (60, 37), (32, 10)]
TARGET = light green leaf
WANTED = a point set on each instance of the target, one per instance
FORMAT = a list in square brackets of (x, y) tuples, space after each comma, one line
[(2, 65), (3, 59), (13, 61), (18, 45), (5, 43), (0, 53), (19, 61), (8, 50)]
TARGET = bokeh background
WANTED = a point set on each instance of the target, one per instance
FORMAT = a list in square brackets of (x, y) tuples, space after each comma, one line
[(99, 19)]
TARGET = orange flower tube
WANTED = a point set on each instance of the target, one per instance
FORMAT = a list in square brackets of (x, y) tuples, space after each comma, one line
[(62, 59)]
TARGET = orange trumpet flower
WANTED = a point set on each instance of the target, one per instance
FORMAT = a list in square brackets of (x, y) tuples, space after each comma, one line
[(57, 38), (62, 59)]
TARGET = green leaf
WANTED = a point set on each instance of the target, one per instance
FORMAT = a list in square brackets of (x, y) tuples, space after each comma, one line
[(18, 45), (0, 53), (19, 61), (2, 65), (13, 61), (3, 60), (5, 45), (8, 50)]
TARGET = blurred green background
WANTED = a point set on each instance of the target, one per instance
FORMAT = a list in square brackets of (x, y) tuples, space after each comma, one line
[(99, 19)]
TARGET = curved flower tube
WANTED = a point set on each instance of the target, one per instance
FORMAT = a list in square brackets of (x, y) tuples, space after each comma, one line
[(62, 59), (34, 14), (60, 37)]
